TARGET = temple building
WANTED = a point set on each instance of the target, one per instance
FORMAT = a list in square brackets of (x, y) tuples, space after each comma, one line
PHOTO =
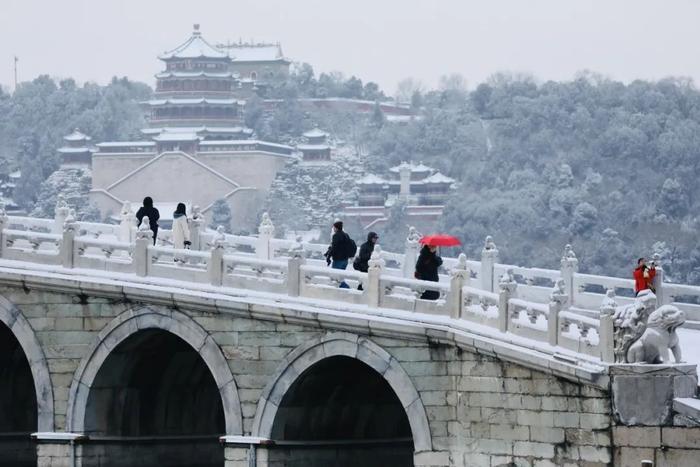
[(423, 189), (77, 151), (258, 62), (196, 91), (195, 150), (316, 148)]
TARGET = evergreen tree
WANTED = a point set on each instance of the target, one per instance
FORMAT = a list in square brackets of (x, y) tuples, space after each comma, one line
[(221, 215)]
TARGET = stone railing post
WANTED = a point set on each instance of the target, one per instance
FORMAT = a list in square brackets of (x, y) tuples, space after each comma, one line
[(410, 256), (60, 214), (489, 257), (67, 248), (459, 276), (4, 221), (215, 266), (569, 268), (196, 228), (127, 221), (265, 234), (662, 297), (294, 276), (144, 238), (557, 301), (373, 286), (507, 288), (606, 332)]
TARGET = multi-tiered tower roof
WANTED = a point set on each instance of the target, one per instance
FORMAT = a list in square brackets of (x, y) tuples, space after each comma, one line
[(196, 92)]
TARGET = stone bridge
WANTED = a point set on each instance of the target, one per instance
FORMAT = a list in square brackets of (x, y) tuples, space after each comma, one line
[(244, 352)]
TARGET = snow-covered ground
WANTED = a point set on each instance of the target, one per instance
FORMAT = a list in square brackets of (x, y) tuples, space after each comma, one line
[(690, 345)]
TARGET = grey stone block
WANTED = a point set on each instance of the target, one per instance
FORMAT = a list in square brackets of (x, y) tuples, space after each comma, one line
[(643, 399)]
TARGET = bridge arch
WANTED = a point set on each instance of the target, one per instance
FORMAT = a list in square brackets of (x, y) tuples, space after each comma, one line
[(343, 345), (154, 318), (18, 325)]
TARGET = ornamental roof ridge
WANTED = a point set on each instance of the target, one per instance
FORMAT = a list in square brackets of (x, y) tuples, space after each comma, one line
[(194, 47)]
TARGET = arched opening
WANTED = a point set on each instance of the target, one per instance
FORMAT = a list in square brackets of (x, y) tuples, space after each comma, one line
[(154, 402), (341, 412), (18, 406)]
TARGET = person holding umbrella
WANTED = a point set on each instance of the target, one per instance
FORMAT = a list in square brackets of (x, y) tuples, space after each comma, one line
[(429, 261)]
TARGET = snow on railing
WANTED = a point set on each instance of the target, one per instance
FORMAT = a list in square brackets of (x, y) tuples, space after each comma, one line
[(32, 246), (482, 292), (585, 290), (254, 274), (461, 297), (405, 294)]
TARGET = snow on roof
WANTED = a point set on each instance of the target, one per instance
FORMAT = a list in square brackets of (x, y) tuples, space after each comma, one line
[(312, 147), (194, 47), (193, 74), (73, 150), (77, 136), (118, 144), (420, 167), (315, 133), (200, 100), (244, 52), (200, 129), (437, 177), (371, 179), (16, 174), (166, 136), (233, 142)]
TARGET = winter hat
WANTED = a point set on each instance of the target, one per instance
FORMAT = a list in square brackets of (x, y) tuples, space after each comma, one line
[(338, 225)]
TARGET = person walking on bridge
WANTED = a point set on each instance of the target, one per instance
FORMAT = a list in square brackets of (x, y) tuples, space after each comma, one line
[(181, 228), (361, 262), (341, 249), (427, 269), (644, 276), (147, 210)]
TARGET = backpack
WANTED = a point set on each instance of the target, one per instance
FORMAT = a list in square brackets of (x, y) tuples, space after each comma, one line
[(350, 247)]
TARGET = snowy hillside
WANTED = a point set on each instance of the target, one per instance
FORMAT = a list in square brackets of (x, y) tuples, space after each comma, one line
[(305, 196)]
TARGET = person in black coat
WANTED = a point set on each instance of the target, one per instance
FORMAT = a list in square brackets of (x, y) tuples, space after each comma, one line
[(338, 252), (427, 270), (147, 210), (362, 261)]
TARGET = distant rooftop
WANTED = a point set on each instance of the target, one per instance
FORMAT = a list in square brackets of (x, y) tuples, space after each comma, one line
[(195, 74), (420, 167), (438, 178), (199, 129), (371, 179), (194, 47), (315, 133), (253, 52), (77, 136), (187, 101), (176, 137)]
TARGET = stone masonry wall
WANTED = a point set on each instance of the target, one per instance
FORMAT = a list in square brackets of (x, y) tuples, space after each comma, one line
[(481, 411), (665, 446)]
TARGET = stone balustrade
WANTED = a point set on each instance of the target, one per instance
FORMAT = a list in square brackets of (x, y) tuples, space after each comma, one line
[(469, 290), (265, 264)]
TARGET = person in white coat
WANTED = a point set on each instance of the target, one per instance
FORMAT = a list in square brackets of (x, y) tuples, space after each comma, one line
[(181, 229)]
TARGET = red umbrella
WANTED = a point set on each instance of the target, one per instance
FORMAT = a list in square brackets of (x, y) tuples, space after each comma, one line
[(440, 240)]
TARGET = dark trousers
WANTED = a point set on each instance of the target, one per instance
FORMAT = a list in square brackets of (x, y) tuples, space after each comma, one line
[(341, 264)]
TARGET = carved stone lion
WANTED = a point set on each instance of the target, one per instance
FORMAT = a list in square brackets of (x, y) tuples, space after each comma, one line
[(658, 337), (630, 322)]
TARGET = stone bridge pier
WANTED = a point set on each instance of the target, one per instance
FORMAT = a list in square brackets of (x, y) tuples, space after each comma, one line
[(96, 372)]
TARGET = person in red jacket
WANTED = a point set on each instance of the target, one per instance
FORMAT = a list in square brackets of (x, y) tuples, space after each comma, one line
[(644, 276)]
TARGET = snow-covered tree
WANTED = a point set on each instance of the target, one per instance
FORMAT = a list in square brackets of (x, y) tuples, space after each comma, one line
[(74, 185), (221, 215)]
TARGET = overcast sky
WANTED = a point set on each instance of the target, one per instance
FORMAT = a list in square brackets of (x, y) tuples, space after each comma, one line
[(378, 40)]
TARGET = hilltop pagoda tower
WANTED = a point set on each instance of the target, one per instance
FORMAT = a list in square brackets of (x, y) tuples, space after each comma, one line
[(196, 92)]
